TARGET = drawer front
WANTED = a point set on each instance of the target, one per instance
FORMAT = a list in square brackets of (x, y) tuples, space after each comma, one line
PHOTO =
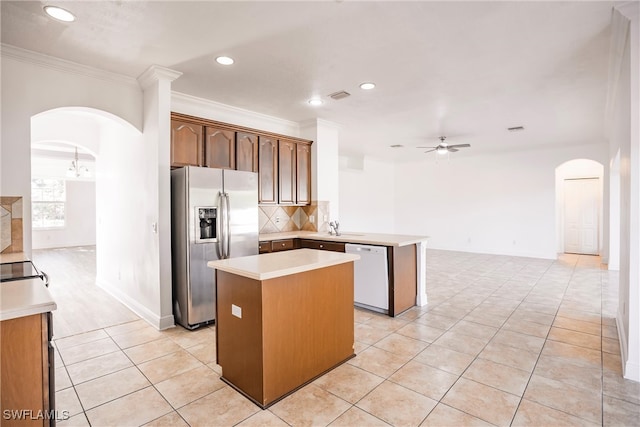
[(281, 245), (264, 247), (325, 246)]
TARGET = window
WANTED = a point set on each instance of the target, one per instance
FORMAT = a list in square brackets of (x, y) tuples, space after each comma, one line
[(48, 196)]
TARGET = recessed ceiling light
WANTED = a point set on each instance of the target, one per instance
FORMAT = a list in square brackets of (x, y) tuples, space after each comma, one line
[(315, 102), (224, 60), (367, 85), (59, 13)]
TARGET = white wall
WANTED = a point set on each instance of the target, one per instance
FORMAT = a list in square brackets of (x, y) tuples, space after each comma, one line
[(33, 83), (80, 219), (625, 137), (367, 190), (128, 264), (497, 203)]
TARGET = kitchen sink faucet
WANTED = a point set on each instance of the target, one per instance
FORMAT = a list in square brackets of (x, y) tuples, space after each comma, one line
[(334, 226)]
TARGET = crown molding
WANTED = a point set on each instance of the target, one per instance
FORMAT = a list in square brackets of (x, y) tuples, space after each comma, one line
[(206, 108), (630, 9), (156, 73), (58, 64)]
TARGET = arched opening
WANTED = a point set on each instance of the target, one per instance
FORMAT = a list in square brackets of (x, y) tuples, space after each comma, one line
[(79, 206), (579, 210)]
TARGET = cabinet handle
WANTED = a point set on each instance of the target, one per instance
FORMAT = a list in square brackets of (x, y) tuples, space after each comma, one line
[(283, 244), (321, 246)]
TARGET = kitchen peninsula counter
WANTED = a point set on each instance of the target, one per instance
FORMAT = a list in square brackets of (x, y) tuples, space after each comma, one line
[(282, 320), (397, 240), (407, 264)]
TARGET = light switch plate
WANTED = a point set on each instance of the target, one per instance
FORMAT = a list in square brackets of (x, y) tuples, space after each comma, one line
[(236, 311)]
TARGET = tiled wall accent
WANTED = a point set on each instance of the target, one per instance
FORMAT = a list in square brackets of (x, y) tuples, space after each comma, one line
[(275, 219), (11, 225)]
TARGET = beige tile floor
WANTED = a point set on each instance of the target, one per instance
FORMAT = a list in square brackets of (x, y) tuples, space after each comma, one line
[(503, 341)]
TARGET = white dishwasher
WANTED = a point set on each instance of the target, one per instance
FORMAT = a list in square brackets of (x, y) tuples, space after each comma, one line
[(371, 278)]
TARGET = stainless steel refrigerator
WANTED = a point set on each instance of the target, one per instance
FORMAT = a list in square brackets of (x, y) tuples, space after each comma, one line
[(214, 215)]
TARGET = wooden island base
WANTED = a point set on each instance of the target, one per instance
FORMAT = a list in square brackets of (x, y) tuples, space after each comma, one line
[(278, 334)]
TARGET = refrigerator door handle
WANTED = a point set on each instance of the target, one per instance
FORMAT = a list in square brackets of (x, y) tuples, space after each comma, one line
[(219, 221), (227, 227)]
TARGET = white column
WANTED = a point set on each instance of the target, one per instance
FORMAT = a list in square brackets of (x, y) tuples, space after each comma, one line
[(421, 272), (156, 84), (632, 366), (324, 162)]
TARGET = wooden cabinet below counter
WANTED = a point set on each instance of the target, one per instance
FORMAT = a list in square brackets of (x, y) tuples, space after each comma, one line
[(321, 245), (27, 377)]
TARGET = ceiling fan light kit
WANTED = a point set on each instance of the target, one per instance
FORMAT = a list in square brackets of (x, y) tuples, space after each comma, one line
[(444, 148)]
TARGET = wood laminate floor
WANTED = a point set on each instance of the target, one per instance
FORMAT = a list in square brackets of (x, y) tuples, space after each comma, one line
[(82, 305)]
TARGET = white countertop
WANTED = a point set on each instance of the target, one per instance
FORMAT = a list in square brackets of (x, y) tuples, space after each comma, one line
[(13, 257), (21, 298), (349, 237), (278, 264)]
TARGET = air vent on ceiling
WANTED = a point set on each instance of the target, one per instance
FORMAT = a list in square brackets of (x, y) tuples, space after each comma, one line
[(396, 146), (340, 94), (516, 129)]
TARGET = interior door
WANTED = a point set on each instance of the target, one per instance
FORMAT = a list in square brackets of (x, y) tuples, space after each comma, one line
[(581, 200)]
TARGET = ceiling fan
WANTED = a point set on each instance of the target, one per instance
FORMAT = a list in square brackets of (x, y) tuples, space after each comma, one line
[(444, 148)]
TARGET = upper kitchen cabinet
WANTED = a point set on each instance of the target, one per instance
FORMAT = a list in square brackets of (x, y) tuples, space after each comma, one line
[(186, 144), (294, 172), (220, 148), (287, 172), (246, 152), (303, 173), (283, 163), (267, 170)]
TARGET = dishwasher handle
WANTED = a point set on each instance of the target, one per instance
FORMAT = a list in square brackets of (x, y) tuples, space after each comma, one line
[(355, 248)]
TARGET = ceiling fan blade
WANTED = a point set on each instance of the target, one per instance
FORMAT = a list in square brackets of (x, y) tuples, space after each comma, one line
[(460, 146), (452, 150), (429, 151), (427, 147)]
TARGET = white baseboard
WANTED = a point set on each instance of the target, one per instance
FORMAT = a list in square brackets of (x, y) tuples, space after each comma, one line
[(158, 322), (630, 369)]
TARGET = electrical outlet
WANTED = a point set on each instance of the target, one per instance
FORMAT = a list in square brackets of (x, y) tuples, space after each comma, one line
[(236, 311), (277, 219), (312, 218)]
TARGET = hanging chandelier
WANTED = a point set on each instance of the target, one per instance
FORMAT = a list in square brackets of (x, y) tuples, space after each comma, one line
[(75, 170)]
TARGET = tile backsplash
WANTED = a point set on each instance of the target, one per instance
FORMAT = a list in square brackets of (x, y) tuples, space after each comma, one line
[(11, 225), (275, 219)]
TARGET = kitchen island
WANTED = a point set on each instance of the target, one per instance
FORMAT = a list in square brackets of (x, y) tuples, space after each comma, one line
[(282, 320), (406, 259)]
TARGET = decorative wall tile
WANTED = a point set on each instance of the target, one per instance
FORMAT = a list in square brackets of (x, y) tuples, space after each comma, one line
[(11, 226), (273, 219)]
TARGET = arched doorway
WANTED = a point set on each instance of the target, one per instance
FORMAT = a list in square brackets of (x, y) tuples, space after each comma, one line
[(95, 211), (579, 210)]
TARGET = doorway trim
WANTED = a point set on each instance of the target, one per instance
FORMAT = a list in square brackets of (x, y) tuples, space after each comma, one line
[(577, 169)]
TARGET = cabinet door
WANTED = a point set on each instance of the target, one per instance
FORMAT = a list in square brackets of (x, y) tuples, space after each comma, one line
[(287, 172), (268, 170), (186, 144), (303, 174), (246, 152), (219, 148)]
